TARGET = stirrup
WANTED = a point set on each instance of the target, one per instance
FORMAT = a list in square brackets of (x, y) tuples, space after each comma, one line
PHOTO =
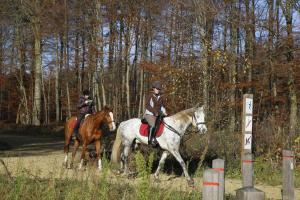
[(154, 142)]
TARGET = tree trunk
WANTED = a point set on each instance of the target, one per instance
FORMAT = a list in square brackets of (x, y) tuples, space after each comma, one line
[(101, 70), (66, 58), (288, 13), (1, 69), (233, 64), (81, 73), (45, 101), (37, 73), (145, 43), (77, 65), (111, 51), (206, 24), (273, 88), (249, 43), (23, 111), (57, 83), (127, 65)]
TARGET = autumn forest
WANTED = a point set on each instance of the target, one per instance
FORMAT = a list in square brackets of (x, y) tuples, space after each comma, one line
[(209, 52)]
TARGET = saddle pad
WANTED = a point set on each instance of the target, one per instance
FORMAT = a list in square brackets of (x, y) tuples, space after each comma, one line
[(73, 123), (144, 130)]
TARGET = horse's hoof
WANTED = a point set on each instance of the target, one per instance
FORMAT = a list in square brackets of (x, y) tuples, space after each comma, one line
[(156, 179), (191, 182), (70, 166)]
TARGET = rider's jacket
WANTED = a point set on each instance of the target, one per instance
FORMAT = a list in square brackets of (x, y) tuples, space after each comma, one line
[(86, 107), (154, 104)]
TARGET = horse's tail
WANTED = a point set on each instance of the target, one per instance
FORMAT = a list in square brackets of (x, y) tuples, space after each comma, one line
[(116, 150)]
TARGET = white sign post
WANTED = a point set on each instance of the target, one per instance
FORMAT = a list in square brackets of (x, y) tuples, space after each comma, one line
[(247, 122), (248, 191)]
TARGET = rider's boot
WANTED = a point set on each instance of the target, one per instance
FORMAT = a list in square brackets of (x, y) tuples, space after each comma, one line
[(153, 140), (149, 135)]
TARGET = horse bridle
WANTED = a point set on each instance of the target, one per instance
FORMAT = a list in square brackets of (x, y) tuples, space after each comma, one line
[(198, 123), (110, 122)]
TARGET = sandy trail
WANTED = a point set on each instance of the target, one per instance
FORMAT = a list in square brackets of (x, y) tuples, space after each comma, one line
[(42, 157)]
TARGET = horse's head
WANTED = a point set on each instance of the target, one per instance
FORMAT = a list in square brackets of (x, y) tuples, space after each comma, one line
[(199, 119), (109, 118)]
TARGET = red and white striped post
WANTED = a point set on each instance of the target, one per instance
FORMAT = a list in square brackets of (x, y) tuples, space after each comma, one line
[(218, 166), (210, 185)]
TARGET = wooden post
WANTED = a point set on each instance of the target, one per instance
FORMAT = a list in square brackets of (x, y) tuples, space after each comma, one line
[(249, 193), (218, 166), (247, 170), (288, 190), (210, 185)]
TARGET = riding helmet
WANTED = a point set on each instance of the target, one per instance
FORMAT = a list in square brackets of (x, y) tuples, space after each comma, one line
[(86, 92), (157, 85)]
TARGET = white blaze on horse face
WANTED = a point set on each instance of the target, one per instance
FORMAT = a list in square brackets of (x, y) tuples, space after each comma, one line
[(113, 121)]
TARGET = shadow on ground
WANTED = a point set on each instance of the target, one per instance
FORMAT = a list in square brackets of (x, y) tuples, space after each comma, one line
[(21, 145)]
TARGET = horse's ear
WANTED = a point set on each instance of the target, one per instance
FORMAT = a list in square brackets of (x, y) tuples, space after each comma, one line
[(106, 108)]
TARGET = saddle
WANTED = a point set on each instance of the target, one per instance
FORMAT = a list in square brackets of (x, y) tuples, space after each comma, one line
[(73, 123), (159, 127)]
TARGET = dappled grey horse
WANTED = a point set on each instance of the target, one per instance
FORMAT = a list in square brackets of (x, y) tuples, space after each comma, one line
[(169, 141)]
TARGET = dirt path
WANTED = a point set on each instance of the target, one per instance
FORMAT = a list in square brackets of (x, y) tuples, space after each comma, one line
[(43, 156)]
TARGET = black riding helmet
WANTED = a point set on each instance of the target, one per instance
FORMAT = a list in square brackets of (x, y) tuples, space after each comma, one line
[(86, 92), (157, 85)]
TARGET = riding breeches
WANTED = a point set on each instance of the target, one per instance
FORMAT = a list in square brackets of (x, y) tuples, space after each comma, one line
[(150, 119)]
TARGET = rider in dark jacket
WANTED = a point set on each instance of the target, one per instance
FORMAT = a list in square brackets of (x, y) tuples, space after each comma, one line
[(85, 106)]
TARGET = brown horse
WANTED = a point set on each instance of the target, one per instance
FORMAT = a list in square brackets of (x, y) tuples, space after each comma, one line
[(89, 132)]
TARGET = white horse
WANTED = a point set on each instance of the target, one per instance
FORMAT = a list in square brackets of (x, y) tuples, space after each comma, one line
[(169, 141)]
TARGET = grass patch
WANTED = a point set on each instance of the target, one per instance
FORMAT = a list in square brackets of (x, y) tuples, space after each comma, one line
[(25, 186)]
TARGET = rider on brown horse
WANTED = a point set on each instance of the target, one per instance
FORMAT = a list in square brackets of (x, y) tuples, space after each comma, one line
[(85, 106), (154, 108)]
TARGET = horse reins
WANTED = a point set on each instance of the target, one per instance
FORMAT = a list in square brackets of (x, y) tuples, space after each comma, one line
[(175, 131), (171, 128)]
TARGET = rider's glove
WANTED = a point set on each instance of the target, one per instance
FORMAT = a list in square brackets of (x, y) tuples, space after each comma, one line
[(88, 102)]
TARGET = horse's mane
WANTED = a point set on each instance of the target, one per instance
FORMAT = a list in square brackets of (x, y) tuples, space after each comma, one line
[(183, 113), (103, 111)]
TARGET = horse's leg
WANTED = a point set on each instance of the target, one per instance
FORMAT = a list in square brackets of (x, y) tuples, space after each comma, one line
[(124, 158), (98, 147), (84, 148), (76, 145), (178, 157), (67, 143), (161, 163)]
